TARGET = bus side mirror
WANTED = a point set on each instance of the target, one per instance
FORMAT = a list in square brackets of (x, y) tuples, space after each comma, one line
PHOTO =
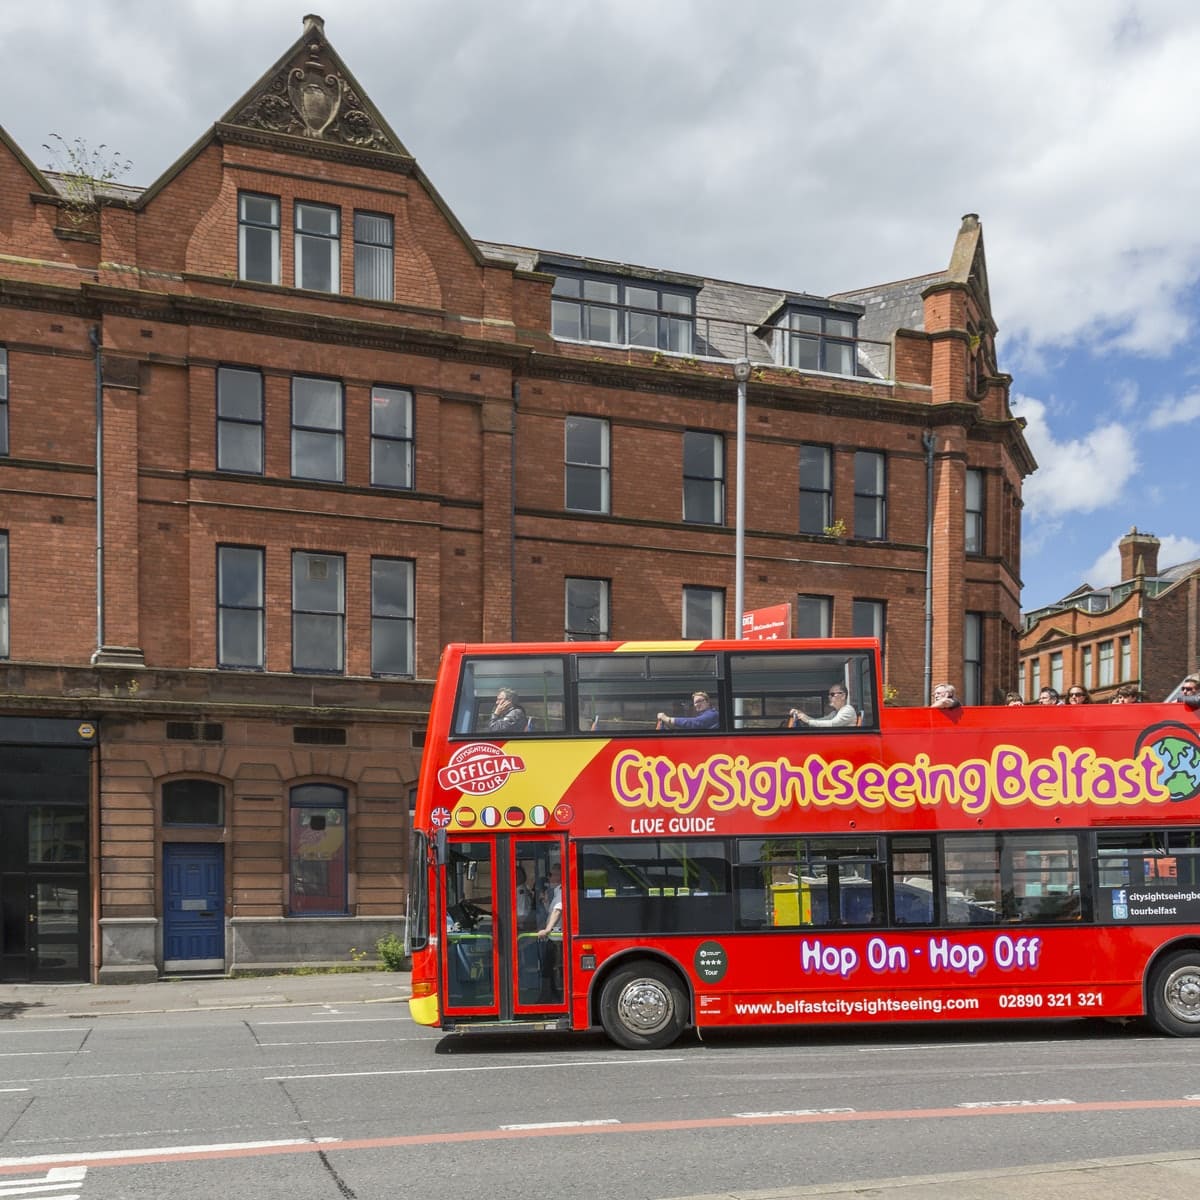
[(439, 848)]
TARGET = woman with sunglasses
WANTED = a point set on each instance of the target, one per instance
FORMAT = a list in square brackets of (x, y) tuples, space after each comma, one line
[(1078, 694)]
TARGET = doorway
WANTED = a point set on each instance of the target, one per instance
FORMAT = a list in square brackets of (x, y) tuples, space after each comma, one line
[(193, 906)]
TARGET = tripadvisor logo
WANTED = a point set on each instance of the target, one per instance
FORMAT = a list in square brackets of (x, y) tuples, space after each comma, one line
[(1177, 749)]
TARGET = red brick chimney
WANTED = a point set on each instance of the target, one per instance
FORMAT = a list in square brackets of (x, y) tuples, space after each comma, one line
[(1139, 554)]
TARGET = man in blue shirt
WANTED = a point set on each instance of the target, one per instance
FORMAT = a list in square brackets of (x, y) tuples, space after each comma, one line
[(705, 718)]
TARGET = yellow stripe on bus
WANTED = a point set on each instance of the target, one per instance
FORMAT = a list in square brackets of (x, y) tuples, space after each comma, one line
[(654, 647)]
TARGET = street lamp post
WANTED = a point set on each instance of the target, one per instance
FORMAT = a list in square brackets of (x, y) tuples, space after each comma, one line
[(741, 372)]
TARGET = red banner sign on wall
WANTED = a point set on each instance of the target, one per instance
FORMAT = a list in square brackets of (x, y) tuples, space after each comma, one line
[(767, 624)]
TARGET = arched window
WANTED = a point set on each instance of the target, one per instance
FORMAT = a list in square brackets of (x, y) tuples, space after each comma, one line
[(317, 875), (193, 802)]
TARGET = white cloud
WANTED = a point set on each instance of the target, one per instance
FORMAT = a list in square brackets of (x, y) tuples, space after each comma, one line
[(706, 138), (1172, 551), (1173, 410), (1078, 474)]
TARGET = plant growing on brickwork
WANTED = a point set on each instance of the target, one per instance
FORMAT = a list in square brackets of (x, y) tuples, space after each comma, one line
[(391, 952), (891, 693), (84, 172), (837, 529)]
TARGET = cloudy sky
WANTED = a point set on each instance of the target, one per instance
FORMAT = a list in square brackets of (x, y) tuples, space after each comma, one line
[(802, 145)]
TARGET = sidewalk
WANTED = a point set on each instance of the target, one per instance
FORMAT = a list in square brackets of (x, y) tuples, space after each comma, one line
[(32, 1001)]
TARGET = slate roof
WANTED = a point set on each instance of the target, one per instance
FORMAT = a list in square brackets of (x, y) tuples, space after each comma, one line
[(728, 314)]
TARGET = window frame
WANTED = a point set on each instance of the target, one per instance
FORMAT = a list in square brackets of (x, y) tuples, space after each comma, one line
[(304, 240), (876, 501), (246, 225), (603, 631), (224, 607), (5, 606), (815, 457), (387, 274), (789, 336), (581, 470), (974, 503), (711, 486), (5, 448), (973, 642), (1105, 663), (674, 330), (404, 445), (215, 793), (693, 595), (315, 434), (860, 606), (235, 423), (824, 612), (312, 615), (1057, 678), (326, 798), (382, 620)]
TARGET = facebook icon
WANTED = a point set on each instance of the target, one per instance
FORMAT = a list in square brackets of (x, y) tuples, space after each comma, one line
[(1120, 905)]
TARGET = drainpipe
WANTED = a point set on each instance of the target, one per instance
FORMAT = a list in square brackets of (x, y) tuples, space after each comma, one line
[(928, 441), (94, 338), (512, 517)]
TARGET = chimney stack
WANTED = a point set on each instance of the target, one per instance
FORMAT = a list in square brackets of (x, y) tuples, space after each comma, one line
[(1139, 554)]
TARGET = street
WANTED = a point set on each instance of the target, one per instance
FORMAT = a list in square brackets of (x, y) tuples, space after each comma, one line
[(354, 1101)]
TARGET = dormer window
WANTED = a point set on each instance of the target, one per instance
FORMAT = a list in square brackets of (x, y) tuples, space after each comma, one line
[(622, 312), (815, 340)]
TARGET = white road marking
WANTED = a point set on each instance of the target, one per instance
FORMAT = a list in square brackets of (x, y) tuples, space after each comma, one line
[(14, 1089), (52, 1184), (326, 1042), (340, 1021), (794, 1112), (164, 1151), (640, 1062), (562, 1124), (65, 1029), (1010, 1103), (41, 1053)]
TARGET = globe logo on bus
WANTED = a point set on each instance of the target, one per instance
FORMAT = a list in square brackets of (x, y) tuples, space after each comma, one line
[(1177, 749), (479, 769)]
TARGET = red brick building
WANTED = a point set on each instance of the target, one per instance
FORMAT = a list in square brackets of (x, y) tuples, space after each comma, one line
[(276, 428), (1144, 630)]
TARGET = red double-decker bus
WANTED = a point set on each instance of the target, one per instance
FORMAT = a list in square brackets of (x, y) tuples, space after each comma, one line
[(643, 837)]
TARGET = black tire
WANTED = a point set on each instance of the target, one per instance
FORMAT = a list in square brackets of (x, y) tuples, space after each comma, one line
[(643, 1006), (1174, 997)]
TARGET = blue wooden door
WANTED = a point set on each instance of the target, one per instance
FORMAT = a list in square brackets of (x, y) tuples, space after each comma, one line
[(193, 907)]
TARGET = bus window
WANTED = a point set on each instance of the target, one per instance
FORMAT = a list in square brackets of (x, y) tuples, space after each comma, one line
[(912, 880), (766, 686), (811, 881), (654, 886), (992, 878), (624, 693), (539, 691)]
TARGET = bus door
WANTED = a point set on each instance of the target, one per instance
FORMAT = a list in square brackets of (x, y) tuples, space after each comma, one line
[(468, 908), (538, 897), (501, 893)]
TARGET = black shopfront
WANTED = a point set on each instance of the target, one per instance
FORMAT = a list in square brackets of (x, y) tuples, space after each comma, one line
[(45, 892)]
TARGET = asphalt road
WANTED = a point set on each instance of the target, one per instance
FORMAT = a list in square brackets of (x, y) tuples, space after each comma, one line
[(352, 1101)]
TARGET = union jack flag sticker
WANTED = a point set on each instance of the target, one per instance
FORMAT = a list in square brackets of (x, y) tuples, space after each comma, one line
[(441, 818)]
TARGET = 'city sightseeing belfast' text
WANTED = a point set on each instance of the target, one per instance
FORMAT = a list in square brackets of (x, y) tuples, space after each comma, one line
[(1009, 777)]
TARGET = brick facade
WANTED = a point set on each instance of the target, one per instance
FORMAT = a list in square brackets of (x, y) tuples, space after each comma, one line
[(1146, 628), (127, 638)]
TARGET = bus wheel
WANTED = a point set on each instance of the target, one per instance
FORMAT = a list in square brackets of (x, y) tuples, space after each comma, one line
[(1175, 995), (643, 1007)]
